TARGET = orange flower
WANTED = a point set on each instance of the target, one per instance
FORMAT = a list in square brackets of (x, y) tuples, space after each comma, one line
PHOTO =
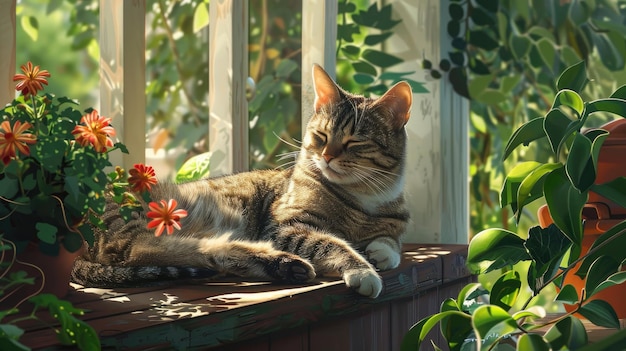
[(95, 131), (31, 81), (165, 216), (141, 178), (13, 139)]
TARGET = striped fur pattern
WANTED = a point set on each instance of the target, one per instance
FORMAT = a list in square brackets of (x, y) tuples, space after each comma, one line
[(338, 210)]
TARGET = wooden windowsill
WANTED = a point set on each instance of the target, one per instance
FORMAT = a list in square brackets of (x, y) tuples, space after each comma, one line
[(231, 311)]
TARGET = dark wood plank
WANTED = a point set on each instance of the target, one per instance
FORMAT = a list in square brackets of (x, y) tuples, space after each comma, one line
[(296, 339), (230, 311)]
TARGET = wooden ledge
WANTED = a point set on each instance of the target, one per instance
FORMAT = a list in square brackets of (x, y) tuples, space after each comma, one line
[(231, 311)]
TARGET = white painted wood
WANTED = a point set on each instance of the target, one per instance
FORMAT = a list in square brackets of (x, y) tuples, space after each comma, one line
[(228, 72), (123, 75), (7, 53), (319, 37), (437, 185)]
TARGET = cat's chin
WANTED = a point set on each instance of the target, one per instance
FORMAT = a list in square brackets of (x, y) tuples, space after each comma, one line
[(333, 176)]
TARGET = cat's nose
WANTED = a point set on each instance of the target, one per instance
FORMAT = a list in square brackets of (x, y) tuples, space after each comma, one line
[(328, 157)]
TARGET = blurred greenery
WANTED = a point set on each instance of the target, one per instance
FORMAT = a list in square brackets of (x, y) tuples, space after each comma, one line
[(176, 65), (505, 57)]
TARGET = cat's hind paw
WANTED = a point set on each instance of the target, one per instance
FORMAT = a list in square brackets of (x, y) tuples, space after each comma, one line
[(365, 281), (381, 255)]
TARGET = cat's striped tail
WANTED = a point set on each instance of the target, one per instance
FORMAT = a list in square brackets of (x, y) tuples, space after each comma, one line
[(92, 274)]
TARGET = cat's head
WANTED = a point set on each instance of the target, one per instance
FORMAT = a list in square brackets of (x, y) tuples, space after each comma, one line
[(352, 140)]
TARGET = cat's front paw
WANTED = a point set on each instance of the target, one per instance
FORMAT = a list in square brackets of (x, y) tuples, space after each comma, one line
[(365, 281), (295, 270), (382, 255)]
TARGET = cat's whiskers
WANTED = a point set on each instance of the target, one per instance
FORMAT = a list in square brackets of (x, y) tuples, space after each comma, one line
[(296, 141), (376, 184), (384, 177)]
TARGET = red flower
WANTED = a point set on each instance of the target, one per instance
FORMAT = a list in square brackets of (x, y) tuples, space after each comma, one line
[(95, 131), (165, 216), (13, 139), (141, 178), (31, 81)]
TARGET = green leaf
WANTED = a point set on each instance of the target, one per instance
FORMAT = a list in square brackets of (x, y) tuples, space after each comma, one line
[(520, 46), (380, 58), (583, 173), (465, 293), (546, 247), (482, 40), (482, 17), (30, 25), (579, 165), (569, 98), (614, 279), (489, 5), (615, 190), (200, 17), (498, 248), (620, 93), (364, 67), (10, 331), (610, 47), (285, 68), (613, 249), (72, 330), (505, 290), (380, 19), (455, 328), (513, 180), (375, 39), (568, 295), (531, 312), (491, 322), (599, 271), (547, 52), (531, 188), (568, 333), (565, 204), (579, 12), (601, 313), (557, 127), (533, 342), (573, 78), (72, 241), (363, 79), (195, 168), (351, 51), (53, 5), (612, 105), (491, 97), (529, 131), (46, 232), (417, 333), (615, 341)]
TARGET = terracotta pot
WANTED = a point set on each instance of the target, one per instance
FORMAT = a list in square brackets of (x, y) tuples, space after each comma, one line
[(51, 274), (594, 227)]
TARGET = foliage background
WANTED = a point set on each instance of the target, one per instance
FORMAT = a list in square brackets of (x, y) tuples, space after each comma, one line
[(506, 56)]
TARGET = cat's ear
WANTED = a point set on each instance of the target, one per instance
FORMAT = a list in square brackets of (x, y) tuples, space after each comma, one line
[(326, 91), (398, 100)]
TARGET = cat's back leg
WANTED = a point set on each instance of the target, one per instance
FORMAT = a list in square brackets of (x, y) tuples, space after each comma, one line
[(243, 258)]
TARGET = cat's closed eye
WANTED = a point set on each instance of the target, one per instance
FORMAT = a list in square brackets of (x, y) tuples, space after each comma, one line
[(319, 138)]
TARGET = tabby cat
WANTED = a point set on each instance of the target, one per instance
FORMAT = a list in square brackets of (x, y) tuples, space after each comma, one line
[(339, 210)]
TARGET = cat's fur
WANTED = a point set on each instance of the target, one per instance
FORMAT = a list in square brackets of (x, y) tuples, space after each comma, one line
[(340, 209)]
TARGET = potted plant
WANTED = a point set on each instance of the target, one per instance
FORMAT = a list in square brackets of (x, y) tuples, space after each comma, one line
[(489, 317), (52, 174), (54, 182)]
